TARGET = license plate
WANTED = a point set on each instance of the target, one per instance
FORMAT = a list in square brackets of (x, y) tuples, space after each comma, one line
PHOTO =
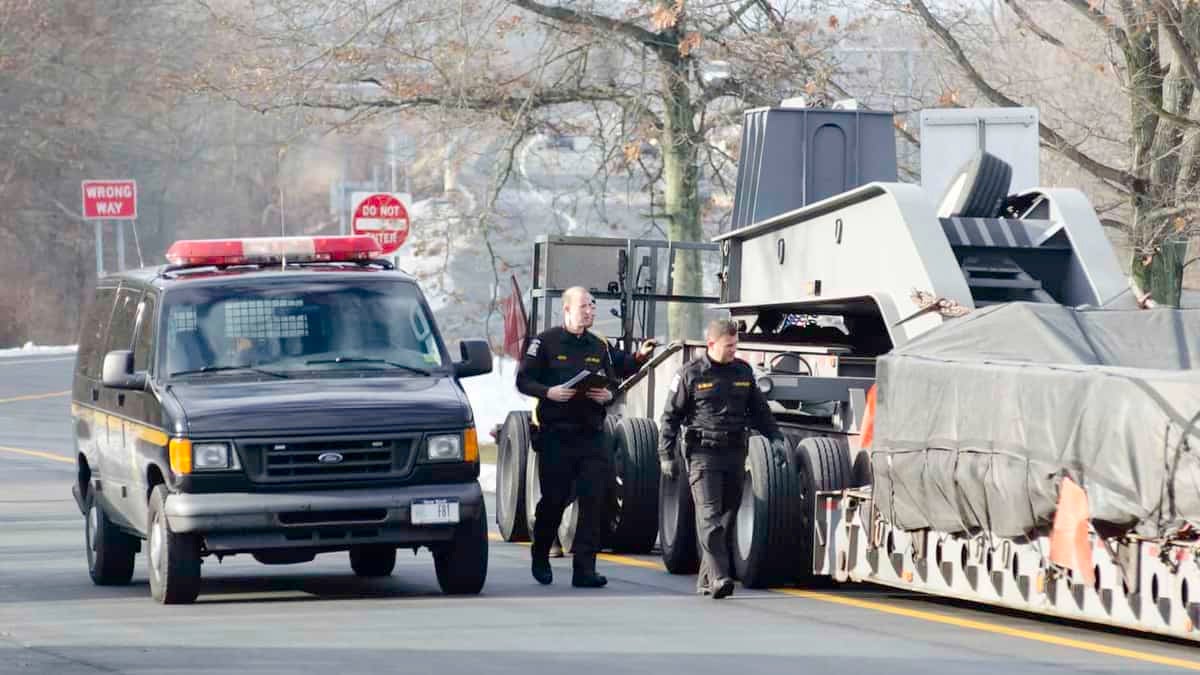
[(434, 511)]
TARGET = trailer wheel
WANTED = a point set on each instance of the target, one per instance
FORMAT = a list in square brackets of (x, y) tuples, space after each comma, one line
[(533, 490), (512, 455), (567, 528), (822, 464), (677, 524), (634, 506), (979, 189), (765, 550)]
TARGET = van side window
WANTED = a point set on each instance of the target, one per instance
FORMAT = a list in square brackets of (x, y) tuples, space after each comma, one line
[(92, 331), (143, 349), (120, 333)]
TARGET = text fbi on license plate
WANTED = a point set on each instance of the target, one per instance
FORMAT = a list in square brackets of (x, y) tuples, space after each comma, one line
[(434, 511)]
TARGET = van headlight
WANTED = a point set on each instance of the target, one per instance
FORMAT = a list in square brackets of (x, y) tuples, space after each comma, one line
[(213, 457), (447, 448)]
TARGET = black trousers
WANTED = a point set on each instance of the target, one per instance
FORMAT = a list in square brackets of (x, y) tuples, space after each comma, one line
[(572, 463), (716, 479)]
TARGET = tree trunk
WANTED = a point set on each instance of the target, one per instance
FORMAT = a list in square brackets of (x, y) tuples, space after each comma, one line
[(1163, 276), (681, 174)]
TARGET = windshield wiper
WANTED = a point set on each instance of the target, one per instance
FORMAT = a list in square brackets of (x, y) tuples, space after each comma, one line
[(362, 359), (218, 369)]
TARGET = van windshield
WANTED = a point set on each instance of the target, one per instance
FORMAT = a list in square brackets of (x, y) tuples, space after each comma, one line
[(281, 328)]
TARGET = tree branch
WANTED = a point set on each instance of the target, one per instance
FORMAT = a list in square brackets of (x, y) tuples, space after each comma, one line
[(1187, 56), (1050, 136), (733, 17), (1026, 19), (591, 19), (1102, 21)]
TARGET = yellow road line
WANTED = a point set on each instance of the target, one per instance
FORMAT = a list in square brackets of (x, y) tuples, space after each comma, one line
[(34, 397), (993, 628), (934, 617), (38, 453)]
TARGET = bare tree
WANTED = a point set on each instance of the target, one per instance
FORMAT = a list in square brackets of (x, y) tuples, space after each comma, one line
[(1116, 84), (674, 74)]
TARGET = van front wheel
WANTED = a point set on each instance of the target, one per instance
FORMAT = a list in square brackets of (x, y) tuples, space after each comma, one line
[(174, 558)]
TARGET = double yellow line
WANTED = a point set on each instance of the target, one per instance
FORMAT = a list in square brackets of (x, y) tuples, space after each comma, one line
[(36, 453)]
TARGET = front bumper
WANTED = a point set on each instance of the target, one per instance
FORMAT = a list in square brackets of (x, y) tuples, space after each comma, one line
[(317, 519)]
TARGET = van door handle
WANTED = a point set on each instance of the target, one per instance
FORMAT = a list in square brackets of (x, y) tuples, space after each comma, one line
[(120, 399), (95, 394)]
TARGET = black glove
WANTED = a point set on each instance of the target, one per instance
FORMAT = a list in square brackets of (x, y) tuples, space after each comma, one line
[(779, 448), (668, 468)]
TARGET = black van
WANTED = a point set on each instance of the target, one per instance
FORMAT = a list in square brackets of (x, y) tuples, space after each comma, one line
[(281, 397)]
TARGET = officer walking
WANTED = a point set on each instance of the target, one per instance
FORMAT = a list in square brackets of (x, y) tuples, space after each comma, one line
[(569, 432), (715, 396)]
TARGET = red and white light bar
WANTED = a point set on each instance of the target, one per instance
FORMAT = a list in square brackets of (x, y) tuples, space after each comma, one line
[(195, 252)]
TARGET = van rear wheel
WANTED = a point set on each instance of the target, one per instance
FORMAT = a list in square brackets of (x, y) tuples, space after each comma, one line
[(110, 552)]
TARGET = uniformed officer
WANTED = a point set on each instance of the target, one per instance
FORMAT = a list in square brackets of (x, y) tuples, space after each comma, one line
[(715, 396), (569, 433)]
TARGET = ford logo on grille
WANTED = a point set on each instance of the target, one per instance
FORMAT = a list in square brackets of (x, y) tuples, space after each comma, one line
[(330, 457)]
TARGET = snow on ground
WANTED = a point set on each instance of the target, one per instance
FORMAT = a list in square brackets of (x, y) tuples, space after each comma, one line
[(31, 349)]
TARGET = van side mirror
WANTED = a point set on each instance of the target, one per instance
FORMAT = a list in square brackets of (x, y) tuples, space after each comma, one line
[(477, 359), (118, 371)]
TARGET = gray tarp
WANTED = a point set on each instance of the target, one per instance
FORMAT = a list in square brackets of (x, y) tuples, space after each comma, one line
[(978, 420)]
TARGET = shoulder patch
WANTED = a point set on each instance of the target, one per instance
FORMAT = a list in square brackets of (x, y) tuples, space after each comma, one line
[(534, 346)]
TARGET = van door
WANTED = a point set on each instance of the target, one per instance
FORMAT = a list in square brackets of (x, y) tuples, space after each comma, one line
[(145, 439), (91, 426), (115, 461)]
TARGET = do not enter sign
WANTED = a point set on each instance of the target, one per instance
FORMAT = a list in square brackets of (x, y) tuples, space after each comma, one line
[(383, 216)]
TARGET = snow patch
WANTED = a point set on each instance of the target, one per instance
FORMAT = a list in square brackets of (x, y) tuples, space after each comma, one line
[(30, 349)]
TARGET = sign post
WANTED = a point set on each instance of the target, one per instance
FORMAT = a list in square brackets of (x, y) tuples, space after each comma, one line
[(382, 215), (109, 200)]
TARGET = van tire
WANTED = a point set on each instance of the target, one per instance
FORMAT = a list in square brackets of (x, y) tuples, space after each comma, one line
[(462, 563), (110, 552), (173, 558)]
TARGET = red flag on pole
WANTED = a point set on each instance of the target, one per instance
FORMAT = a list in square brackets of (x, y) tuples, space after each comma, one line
[(514, 322)]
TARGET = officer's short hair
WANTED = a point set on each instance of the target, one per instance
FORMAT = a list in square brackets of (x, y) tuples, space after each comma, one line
[(573, 293), (720, 328)]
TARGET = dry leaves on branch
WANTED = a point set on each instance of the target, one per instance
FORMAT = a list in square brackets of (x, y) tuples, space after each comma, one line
[(689, 43)]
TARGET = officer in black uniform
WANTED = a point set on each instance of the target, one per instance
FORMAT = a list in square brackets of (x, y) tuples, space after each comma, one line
[(569, 431), (716, 398)]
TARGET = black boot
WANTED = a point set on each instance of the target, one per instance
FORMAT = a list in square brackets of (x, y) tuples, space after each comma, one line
[(722, 589), (541, 569), (585, 574)]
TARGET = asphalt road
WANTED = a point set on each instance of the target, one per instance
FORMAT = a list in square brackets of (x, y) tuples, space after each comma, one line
[(317, 617)]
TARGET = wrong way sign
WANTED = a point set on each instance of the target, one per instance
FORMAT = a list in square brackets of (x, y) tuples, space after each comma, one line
[(110, 199), (382, 215)]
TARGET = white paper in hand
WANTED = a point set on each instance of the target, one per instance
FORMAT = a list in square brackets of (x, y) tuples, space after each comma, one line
[(570, 384)]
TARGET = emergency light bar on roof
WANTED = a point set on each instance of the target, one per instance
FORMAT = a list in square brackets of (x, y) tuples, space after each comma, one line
[(267, 250)]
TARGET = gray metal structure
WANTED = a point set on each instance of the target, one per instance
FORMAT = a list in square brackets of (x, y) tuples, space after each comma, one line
[(825, 284)]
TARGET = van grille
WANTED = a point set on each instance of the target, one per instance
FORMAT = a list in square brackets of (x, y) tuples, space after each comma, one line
[(290, 461)]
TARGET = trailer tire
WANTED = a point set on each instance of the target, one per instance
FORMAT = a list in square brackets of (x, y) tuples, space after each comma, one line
[(512, 457), (765, 550), (634, 506), (677, 524), (821, 464), (978, 190), (533, 490), (568, 527)]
